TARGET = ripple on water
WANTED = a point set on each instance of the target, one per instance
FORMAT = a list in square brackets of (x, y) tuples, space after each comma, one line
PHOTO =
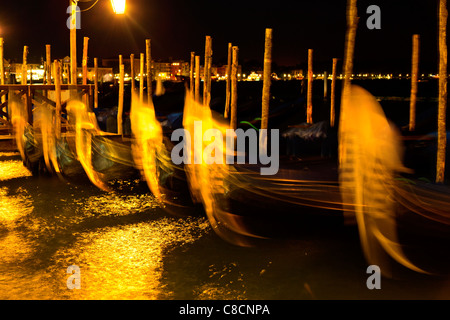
[(14, 205), (124, 262), (114, 204), (10, 169)]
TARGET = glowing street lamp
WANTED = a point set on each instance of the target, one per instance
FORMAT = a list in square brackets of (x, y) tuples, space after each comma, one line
[(118, 6)]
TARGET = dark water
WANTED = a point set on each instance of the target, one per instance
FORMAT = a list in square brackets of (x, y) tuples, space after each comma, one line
[(129, 247), (290, 97)]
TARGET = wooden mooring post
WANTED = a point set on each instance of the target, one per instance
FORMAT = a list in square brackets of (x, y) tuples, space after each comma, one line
[(207, 71), (57, 78), (333, 94), (352, 25), (141, 79), (442, 105), (197, 79), (121, 97), (132, 74), (85, 59), (48, 65), (2, 71), (310, 89), (266, 79), (149, 70), (191, 74), (95, 83), (234, 70), (414, 80), (24, 65), (228, 81)]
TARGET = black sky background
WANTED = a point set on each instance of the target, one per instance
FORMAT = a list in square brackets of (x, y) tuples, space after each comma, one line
[(177, 27)]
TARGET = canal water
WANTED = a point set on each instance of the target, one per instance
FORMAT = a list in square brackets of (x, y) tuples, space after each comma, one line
[(128, 247)]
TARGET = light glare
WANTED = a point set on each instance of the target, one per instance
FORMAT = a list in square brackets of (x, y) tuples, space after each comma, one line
[(118, 6)]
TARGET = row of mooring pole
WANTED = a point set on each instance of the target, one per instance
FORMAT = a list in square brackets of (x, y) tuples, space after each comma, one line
[(231, 73)]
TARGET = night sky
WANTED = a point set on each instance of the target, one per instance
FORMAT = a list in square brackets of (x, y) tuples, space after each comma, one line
[(177, 27)]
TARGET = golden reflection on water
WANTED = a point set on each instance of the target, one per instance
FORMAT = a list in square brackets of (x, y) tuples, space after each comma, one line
[(125, 262), (17, 203), (13, 207), (119, 259), (115, 204), (10, 169), (14, 248)]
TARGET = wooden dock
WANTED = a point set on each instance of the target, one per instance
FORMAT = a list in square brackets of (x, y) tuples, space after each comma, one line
[(37, 94)]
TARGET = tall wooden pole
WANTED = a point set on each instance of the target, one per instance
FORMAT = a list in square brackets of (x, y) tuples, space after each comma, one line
[(24, 65), (149, 71), (442, 108), (141, 79), (120, 63), (207, 71), (210, 53), (121, 94), (133, 85), (228, 85), (310, 82), (234, 70), (191, 74), (197, 79), (73, 43), (57, 78), (48, 64), (352, 24), (27, 96), (266, 79), (95, 83), (2, 69), (414, 78), (85, 59), (333, 93)]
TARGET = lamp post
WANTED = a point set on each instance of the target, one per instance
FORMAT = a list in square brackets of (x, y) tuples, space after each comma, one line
[(73, 42), (118, 8)]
